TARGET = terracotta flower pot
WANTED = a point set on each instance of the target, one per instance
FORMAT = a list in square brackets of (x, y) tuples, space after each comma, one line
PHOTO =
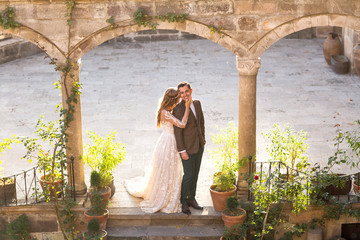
[(52, 187), (219, 198), (105, 194), (356, 187), (230, 221), (102, 235), (102, 219), (332, 46)]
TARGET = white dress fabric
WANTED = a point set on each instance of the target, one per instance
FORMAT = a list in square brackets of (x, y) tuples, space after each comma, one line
[(161, 186)]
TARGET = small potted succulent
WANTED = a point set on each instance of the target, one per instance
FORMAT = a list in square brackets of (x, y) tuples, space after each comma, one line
[(94, 232), (233, 215)]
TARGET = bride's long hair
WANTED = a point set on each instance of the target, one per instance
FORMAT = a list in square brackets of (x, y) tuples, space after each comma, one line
[(170, 98)]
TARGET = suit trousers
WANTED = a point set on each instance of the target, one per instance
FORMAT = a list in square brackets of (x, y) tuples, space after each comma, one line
[(191, 168)]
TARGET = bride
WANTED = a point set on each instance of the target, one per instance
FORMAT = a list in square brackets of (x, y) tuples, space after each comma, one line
[(161, 187)]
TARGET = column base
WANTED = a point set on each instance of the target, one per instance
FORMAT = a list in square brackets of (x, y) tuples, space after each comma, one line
[(80, 189)]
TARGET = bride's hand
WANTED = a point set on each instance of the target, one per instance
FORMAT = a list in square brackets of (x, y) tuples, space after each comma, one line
[(188, 102)]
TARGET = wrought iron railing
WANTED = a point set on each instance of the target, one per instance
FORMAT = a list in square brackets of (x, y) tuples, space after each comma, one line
[(25, 188), (342, 187)]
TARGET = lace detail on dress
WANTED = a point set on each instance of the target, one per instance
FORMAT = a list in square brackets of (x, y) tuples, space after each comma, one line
[(173, 120), (161, 186)]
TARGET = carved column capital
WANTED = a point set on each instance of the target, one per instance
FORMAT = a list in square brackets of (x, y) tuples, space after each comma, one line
[(248, 66)]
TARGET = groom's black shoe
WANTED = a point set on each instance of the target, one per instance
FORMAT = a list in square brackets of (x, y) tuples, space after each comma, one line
[(185, 209), (194, 204)]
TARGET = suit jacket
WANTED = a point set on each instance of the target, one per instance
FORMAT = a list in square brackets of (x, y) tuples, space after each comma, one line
[(193, 135)]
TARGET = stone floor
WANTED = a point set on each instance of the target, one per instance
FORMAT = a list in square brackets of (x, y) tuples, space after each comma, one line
[(123, 82)]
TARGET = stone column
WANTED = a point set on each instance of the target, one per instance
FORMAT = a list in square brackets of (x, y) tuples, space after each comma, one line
[(74, 130), (248, 69)]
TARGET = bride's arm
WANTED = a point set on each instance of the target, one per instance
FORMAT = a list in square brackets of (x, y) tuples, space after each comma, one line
[(174, 121)]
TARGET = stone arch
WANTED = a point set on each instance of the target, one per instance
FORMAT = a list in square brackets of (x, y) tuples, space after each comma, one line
[(193, 27), (38, 39), (318, 20)]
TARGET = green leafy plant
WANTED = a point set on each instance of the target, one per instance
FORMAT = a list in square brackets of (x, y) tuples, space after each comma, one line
[(98, 204), (288, 147), (111, 21), (225, 157), (232, 204), (99, 180), (237, 232), (7, 17), (104, 154), (93, 230), (218, 30), (19, 229)]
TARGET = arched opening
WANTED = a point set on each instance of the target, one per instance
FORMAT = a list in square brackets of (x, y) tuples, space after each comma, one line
[(296, 86), (123, 81), (27, 92)]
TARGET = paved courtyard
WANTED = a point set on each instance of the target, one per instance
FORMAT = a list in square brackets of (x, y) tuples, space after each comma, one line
[(122, 83)]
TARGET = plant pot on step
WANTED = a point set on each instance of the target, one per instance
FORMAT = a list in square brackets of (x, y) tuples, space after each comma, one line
[(102, 219), (7, 191), (104, 192), (230, 221), (219, 198), (51, 187), (101, 235)]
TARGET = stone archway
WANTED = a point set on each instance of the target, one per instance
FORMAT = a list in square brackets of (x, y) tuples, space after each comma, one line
[(197, 28), (318, 20), (38, 39)]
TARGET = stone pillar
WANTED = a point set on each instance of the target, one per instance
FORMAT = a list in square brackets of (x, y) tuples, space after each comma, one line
[(248, 69), (74, 130)]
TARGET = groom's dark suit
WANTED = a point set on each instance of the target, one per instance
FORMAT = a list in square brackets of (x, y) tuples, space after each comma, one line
[(192, 140)]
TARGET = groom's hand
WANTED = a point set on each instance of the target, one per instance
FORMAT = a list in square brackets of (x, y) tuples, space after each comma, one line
[(185, 156)]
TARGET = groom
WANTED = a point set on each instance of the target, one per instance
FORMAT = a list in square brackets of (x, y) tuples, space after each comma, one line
[(190, 143)]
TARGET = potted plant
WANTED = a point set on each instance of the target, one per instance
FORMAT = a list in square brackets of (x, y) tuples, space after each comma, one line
[(99, 183), (233, 215), (227, 163), (99, 198), (19, 229), (236, 232), (98, 210), (104, 154), (94, 232)]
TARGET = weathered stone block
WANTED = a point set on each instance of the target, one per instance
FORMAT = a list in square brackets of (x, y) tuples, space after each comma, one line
[(25, 11), (213, 7), (302, 23), (320, 20), (315, 8), (258, 8), (272, 22), (83, 11), (177, 7), (288, 8), (126, 10), (226, 22), (43, 223), (51, 11), (247, 23)]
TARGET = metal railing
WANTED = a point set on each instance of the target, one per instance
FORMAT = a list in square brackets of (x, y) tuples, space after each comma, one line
[(341, 187), (27, 187)]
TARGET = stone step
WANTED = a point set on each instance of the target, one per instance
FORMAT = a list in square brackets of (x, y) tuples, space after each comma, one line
[(211, 232), (130, 217)]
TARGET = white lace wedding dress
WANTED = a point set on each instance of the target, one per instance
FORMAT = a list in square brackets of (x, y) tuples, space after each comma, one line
[(161, 186)]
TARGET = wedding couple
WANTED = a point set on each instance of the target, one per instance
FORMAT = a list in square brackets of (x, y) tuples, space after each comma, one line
[(170, 185)]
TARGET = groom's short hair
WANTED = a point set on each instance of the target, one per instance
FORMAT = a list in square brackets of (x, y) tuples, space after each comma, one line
[(183, 84)]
